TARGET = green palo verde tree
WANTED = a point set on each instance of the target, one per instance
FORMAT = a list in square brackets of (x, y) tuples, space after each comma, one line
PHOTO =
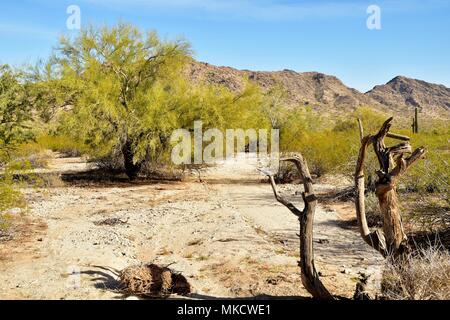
[(15, 112), (14, 115), (129, 93), (118, 74)]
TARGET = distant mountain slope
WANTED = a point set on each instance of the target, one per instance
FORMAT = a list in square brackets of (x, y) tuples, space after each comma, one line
[(327, 93), (401, 93)]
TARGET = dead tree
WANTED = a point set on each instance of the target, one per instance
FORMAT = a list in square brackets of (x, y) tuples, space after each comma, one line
[(391, 240), (310, 277)]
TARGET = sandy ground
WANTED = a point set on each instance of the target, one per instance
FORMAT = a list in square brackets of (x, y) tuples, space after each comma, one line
[(226, 234)]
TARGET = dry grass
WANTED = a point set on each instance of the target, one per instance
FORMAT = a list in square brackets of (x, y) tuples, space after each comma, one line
[(152, 281), (423, 276)]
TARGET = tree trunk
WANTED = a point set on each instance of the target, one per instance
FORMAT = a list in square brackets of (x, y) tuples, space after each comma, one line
[(393, 231), (131, 168), (310, 277), (393, 163), (375, 239)]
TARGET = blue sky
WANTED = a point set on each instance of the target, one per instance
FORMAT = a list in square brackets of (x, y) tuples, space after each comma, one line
[(325, 36)]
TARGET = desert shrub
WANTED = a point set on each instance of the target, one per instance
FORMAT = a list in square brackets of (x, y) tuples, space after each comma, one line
[(63, 144), (10, 196), (152, 281), (425, 187), (329, 152), (15, 112), (287, 173), (33, 154), (431, 174), (422, 276), (371, 119), (15, 115), (330, 146)]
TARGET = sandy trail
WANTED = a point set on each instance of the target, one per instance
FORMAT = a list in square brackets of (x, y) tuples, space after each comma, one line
[(227, 234)]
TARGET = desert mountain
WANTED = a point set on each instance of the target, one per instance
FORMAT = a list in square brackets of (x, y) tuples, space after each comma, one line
[(404, 93), (327, 93)]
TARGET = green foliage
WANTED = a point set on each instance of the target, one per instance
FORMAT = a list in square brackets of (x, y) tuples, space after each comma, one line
[(106, 77), (427, 184), (431, 174), (10, 196), (50, 94), (273, 107), (14, 112), (118, 71), (328, 150), (121, 75), (371, 119), (66, 145), (31, 153), (129, 93), (331, 146)]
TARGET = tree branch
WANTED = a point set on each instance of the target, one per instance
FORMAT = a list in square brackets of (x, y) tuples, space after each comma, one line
[(282, 200), (374, 239), (310, 277)]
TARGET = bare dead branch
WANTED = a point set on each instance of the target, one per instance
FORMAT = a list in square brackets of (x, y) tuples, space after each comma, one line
[(361, 129), (393, 164), (374, 239), (398, 136), (403, 164), (380, 147), (282, 200), (310, 277)]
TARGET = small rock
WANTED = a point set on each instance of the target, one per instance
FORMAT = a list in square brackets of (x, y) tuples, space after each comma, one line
[(346, 271)]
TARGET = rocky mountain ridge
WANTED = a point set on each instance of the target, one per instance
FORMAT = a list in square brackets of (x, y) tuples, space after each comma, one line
[(327, 93)]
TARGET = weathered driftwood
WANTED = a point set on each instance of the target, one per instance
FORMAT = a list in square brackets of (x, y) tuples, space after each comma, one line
[(310, 277), (392, 240), (375, 239)]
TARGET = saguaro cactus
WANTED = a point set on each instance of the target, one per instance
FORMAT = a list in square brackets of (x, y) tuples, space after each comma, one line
[(415, 122)]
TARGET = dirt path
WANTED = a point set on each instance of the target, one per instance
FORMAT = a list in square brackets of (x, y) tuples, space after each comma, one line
[(227, 234)]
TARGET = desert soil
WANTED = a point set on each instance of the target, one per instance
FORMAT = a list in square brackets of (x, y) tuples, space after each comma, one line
[(226, 234)]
